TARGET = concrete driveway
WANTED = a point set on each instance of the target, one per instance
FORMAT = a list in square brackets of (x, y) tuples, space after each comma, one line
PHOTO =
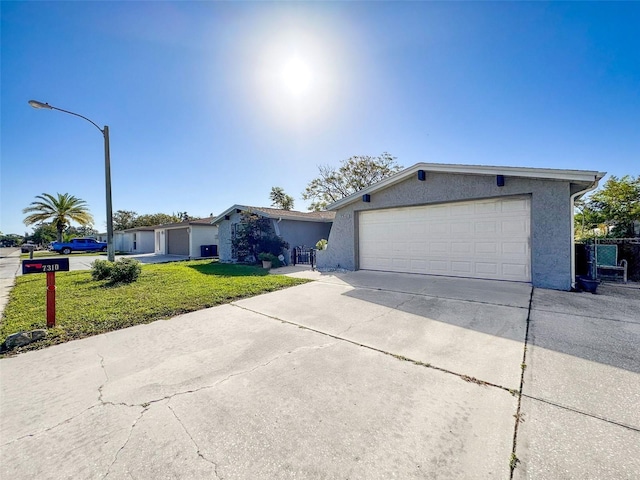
[(361, 375)]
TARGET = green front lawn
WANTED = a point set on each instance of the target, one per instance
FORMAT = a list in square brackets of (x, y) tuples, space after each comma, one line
[(86, 307)]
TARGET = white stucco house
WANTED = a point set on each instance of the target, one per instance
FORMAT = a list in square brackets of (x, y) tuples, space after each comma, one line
[(193, 238), (134, 240)]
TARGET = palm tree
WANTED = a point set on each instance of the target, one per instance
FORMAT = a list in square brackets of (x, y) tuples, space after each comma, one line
[(60, 211)]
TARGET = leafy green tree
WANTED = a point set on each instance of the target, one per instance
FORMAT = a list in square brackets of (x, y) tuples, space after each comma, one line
[(353, 175), (11, 239), (617, 203), (124, 219), (279, 199), (60, 210), (149, 220), (78, 232), (43, 234), (586, 221), (254, 235)]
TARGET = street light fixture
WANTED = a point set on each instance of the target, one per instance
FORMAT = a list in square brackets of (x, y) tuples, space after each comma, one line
[(107, 170)]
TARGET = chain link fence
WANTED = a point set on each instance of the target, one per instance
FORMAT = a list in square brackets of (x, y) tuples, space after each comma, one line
[(610, 251)]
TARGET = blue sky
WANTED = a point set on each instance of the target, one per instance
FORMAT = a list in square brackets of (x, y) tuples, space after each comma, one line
[(213, 103)]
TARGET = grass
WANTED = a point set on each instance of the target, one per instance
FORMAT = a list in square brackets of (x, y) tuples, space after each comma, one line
[(85, 307)]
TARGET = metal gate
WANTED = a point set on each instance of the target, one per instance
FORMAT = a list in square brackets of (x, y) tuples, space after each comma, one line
[(303, 256)]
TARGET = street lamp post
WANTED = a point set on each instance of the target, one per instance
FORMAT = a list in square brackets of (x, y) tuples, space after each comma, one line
[(107, 170)]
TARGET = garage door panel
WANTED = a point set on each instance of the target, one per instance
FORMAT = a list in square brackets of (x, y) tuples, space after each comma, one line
[(513, 270), (487, 268), (514, 248), (461, 248), (439, 248), (485, 207), (483, 228), (462, 267), (486, 248), (460, 228), (438, 266), (514, 227), (515, 205), (482, 239), (437, 228)]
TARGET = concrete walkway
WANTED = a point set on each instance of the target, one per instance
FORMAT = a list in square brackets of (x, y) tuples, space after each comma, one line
[(9, 268), (361, 375)]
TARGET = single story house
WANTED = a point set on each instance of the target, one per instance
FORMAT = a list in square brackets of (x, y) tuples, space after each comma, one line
[(296, 228), (502, 223), (134, 240), (192, 238)]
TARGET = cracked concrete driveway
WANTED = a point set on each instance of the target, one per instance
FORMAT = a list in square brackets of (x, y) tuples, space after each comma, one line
[(361, 375)]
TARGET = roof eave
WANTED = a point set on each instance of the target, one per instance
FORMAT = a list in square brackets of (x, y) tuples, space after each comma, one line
[(527, 172)]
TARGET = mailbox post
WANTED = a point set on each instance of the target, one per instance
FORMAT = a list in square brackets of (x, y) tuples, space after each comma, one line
[(49, 266)]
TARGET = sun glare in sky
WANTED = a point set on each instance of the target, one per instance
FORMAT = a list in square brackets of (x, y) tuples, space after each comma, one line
[(297, 76)]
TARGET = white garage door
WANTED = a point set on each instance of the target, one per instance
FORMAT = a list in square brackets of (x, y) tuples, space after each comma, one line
[(479, 239)]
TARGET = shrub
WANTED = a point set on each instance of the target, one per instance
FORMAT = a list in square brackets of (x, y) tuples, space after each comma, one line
[(101, 269), (123, 270), (322, 244)]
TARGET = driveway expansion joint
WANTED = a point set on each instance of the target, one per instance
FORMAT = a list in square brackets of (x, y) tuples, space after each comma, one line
[(462, 376), (513, 462)]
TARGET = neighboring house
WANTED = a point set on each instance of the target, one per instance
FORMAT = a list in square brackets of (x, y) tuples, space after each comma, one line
[(192, 238), (295, 228), (503, 223), (134, 240)]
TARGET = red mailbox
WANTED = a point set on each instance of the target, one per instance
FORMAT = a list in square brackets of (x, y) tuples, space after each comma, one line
[(49, 266)]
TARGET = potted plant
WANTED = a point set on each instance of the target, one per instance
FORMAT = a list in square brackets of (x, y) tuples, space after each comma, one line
[(267, 259)]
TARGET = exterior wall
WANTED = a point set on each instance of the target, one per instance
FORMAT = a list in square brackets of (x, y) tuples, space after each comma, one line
[(202, 235), (294, 232), (144, 242), (551, 227), (298, 233), (121, 242), (224, 237)]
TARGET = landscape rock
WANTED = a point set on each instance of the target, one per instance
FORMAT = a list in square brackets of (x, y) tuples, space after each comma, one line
[(38, 334), (19, 339)]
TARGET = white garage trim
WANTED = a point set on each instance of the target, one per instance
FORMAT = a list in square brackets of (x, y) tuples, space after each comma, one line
[(487, 238)]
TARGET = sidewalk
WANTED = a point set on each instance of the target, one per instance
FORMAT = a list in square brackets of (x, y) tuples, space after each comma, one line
[(9, 267)]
